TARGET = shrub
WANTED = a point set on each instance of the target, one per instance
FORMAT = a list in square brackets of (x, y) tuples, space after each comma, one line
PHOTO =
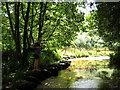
[(115, 60), (48, 57)]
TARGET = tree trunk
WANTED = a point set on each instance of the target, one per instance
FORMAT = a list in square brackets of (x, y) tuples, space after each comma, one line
[(40, 21), (25, 53), (10, 20), (17, 40), (31, 25), (15, 33)]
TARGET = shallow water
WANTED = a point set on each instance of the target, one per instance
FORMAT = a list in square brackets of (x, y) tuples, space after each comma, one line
[(87, 74), (86, 83), (63, 80)]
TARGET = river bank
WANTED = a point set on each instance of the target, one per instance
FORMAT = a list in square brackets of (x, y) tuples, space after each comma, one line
[(31, 79)]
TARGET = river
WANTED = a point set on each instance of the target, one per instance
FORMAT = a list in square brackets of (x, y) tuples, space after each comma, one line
[(80, 74)]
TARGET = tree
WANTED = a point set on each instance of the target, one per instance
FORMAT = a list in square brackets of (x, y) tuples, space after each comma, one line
[(57, 23), (108, 17), (109, 21), (25, 35), (15, 28), (25, 23)]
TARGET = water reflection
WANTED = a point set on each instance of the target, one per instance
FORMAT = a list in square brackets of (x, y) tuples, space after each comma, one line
[(80, 74)]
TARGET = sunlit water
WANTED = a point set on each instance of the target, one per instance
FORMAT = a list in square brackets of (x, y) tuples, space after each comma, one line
[(86, 84), (82, 74)]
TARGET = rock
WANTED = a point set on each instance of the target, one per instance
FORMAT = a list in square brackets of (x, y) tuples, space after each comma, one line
[(54, 65), (33, 79), (79, 77), (23, 85), (53, 71), (46, 73), (64, 65), (65, 57)]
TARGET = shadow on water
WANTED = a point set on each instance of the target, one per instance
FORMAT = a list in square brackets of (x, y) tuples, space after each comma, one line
[(63, 80), (80, 74)]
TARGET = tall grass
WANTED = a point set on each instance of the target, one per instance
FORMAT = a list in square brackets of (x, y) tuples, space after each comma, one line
[(83, 52)]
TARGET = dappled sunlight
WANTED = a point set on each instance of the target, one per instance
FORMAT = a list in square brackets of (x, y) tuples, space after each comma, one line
[(79, 74), (60, 45)]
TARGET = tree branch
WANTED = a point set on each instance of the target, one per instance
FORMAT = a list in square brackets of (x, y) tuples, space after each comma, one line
[(41, 18), (22, 11), (10, 20)]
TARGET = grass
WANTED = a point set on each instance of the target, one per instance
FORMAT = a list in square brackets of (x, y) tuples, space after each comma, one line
[(82, 52), (83, 64)]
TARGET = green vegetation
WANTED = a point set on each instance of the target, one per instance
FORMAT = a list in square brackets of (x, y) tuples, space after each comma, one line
[(112, 82), (108, 28), (115, 60), (25, 23), (83, 52), (65, 29)]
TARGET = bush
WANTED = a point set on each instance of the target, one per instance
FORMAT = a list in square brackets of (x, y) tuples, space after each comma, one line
[(84, 40), (48, 57), (115, 60)]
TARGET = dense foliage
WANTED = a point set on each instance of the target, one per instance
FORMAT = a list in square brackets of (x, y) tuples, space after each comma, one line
[(109, 22), (58, 24), (109, 27), (105, 22), (23, 23), (115, 60)]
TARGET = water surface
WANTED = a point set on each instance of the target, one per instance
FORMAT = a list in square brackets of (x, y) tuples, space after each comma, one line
[(80, 74)]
